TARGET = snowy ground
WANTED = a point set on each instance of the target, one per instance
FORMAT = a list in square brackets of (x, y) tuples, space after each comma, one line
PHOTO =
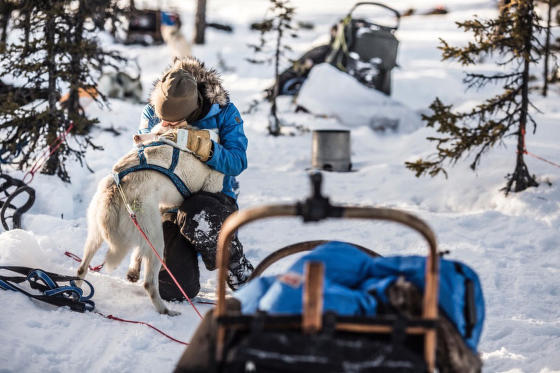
[(512, 242)]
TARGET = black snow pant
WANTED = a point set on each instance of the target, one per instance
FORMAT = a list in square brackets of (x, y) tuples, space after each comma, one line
[(194, 230)]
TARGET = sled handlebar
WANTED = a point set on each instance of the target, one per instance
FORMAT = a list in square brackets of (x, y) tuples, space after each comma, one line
[(244, 217), (394, 11)]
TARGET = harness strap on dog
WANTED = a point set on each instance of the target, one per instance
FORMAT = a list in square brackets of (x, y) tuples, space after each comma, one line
[(169, 172), (52, 293)]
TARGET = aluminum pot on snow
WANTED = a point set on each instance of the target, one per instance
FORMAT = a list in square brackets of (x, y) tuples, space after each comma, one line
[(331, 150)]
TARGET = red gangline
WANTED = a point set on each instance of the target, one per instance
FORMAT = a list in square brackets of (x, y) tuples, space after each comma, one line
[(534, 155), (111, 317), (79, 260), (133, 217), (542, 159), (44, 157)]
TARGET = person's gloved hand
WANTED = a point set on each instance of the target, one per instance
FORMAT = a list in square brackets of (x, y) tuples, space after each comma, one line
[(197, 141)]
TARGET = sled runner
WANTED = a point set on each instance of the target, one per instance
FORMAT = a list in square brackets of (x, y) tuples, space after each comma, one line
[(305, 320)]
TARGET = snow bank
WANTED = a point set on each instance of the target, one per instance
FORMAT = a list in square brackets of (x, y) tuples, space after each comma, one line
[(352, 103), (19, 247)]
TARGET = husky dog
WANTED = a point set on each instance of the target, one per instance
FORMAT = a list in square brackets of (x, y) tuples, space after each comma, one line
[(148, 192), (176, 41), (118, 84)]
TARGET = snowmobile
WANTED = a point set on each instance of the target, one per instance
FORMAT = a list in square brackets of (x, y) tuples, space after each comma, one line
[(406, 334)]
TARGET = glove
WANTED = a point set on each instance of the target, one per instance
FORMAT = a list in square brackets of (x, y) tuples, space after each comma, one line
[(197, 141)]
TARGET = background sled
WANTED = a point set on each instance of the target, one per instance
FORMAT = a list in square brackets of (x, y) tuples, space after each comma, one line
[(365, 49)]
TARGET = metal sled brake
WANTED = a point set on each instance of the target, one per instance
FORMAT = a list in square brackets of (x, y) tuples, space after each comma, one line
[(313, 320)]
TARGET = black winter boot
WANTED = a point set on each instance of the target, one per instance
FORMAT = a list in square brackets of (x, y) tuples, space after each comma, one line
[(239, 273), (240, 269), (200, 218)]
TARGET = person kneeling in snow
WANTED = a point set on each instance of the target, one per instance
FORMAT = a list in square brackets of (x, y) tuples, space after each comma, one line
[(189, 91)]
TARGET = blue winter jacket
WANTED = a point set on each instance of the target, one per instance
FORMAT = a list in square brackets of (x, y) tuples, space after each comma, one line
[(356, 283), (229, 156)]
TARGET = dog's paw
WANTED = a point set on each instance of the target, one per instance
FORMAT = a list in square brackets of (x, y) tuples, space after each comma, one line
[(133, 276), (172, 313)]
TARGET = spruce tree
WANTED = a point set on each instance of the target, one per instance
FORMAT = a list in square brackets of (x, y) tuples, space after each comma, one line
[(511, 37), (280, 24), (57, 51)]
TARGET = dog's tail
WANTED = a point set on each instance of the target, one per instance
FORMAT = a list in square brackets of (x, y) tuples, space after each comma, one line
[(113, 228), (94, 235)]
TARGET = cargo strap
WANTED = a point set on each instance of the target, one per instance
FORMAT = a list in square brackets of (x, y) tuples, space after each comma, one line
[(339, 45), (48, 284)]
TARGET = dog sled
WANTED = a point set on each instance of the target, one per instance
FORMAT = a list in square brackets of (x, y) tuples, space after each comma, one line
[(144, 25), (257, 332), (359, 46), (365, 49)]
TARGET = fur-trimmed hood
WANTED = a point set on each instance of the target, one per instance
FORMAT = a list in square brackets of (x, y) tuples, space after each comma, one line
[(208, 80)]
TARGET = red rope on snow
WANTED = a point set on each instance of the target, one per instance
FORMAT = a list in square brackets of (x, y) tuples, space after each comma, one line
[(44, 156), (133, 217), (111, 317), (79, 260)]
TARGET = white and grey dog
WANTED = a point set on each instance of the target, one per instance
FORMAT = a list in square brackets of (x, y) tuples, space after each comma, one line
[(176, 41), (118, 84), (149, 192)]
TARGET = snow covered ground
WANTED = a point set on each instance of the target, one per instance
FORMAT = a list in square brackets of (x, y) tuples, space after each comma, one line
[(512, 242)]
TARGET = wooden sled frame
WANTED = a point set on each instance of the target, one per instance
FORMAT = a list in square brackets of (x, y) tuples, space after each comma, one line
[(314, 209)]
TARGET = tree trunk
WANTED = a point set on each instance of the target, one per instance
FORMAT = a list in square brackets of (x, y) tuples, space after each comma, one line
[(5, 13), (521, 179), (547, 49), (26, 30), (274, 124), (74, 108), (200, 22), (50, 31)]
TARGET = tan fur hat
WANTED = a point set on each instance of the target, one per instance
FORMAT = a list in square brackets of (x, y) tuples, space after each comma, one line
[(176, 97)]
